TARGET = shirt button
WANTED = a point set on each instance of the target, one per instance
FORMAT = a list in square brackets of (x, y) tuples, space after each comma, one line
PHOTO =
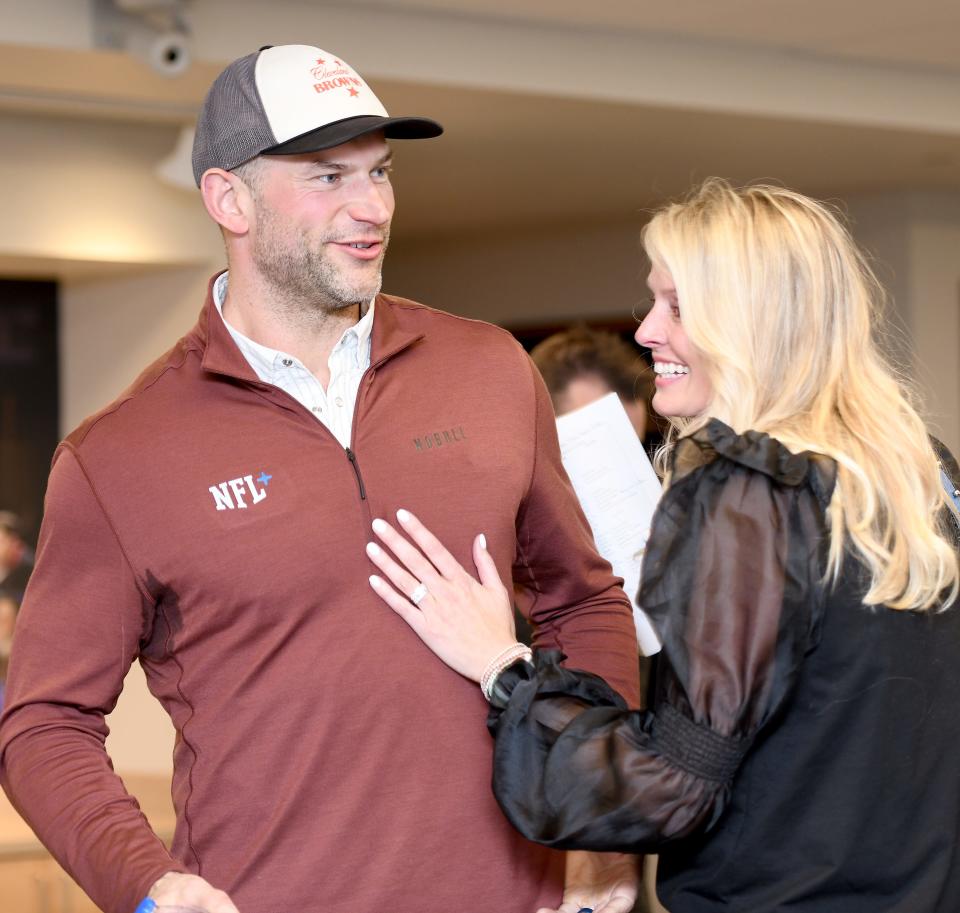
[(287, 362), (317, 408), (339, 400)]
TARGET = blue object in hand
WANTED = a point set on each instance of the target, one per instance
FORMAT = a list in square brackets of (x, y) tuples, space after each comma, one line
[(147, 905)]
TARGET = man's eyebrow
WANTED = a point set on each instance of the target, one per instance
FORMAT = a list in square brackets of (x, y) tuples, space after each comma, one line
[(385, 159)]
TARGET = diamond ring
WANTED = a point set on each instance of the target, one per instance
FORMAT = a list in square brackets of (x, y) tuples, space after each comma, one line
[(419, 594)]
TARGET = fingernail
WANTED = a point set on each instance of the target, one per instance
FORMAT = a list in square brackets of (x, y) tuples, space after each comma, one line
[(403, 515), (373, 549), (483, 541), (379, 525), (375, 582)]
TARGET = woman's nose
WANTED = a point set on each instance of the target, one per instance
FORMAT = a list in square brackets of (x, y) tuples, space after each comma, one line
[(650, 331)]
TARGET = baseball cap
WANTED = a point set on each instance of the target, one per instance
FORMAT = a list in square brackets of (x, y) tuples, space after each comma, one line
[(288, 99)]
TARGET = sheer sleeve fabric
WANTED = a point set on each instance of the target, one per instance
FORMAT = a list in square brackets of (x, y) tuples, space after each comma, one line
[(731, 581)]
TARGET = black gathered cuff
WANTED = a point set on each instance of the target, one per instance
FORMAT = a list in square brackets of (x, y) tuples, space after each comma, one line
[(694, 748), (519, 671)]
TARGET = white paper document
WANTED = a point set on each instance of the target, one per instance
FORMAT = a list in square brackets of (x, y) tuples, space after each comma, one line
[(618, 491)]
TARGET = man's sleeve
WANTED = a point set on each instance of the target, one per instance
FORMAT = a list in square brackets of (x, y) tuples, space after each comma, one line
[(567, 589), (77, 635)]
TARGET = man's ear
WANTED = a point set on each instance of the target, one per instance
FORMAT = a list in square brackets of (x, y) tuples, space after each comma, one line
[(227, 199)]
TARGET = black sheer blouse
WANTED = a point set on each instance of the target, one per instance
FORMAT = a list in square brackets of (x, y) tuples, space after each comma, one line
[(731, 581)]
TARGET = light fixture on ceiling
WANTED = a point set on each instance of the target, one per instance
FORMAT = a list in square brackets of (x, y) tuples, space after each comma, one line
[(176, 169), (155, 31)]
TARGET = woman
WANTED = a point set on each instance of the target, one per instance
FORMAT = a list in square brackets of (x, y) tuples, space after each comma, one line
[(802, 746)]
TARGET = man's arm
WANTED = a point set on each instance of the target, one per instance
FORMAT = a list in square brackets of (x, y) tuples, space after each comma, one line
[(77, 635), (578, 606), (572, 596)]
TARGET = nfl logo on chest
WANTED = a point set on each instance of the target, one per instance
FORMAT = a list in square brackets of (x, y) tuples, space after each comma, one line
[(240, 493)]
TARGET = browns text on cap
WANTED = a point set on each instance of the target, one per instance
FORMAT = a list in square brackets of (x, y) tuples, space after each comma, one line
[(288, 99)]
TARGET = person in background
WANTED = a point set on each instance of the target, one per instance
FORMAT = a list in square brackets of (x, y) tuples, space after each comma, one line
[(210, 522), (801, 751), (16, 557), (8, 620), (579, 366), (582, 364)]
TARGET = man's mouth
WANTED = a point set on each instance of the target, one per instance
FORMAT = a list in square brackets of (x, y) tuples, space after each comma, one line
[(365, 249)]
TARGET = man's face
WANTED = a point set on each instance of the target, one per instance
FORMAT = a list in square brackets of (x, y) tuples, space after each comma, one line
[(322, 223), (588, 388), (11, 549), (8, 618)]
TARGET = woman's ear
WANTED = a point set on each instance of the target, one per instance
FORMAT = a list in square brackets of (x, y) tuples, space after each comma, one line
[(227, 199)]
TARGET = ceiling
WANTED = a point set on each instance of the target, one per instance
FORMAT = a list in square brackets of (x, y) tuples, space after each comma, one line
[(520, 158), (923, 33)]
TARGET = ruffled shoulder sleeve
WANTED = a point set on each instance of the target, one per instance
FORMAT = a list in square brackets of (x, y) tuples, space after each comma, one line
[(732, 571)]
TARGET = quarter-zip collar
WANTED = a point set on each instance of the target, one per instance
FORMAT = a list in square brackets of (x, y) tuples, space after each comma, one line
[(392, 333), (395, 326)]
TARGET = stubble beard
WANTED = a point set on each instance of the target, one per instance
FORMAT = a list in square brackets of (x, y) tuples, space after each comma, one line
[(304, 280)]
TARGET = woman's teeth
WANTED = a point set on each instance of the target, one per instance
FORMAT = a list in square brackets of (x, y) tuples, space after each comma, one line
[(669, 367)]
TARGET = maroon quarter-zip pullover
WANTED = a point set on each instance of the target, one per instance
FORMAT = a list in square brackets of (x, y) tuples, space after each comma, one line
[(208, 525)]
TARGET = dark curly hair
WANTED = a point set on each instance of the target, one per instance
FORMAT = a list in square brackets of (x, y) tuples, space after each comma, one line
[(584, 351)]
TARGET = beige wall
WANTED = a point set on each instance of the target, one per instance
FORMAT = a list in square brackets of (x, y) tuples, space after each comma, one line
[(85, 191), (549, 274), (935, 296), (111, 329), (915, 240)]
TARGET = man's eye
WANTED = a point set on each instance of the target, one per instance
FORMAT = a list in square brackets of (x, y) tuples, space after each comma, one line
[(381, 174), (328, 178)]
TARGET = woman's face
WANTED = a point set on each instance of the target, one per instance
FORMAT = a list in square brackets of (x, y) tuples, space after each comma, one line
[(683, 388)]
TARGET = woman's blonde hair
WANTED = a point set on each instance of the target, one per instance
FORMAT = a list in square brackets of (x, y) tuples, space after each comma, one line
[(785, 310)]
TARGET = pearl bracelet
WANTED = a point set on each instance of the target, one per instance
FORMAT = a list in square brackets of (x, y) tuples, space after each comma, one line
[(500, 662)]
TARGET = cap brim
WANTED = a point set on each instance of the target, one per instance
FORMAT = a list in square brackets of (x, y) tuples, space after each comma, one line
[(342, 131)]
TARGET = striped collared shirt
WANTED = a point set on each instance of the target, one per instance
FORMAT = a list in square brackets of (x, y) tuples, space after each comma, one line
[(348, 360)]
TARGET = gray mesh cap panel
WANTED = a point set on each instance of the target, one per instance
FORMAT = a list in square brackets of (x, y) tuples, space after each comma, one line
[(232, 127), (314, 101)]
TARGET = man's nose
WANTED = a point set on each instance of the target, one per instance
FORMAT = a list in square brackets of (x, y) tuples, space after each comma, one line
[(373, 204)]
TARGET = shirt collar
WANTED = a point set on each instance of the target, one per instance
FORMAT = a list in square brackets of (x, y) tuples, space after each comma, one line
[(265, 361)]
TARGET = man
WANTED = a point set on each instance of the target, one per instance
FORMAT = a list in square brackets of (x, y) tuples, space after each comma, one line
[(582, 364), (212, 522)]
